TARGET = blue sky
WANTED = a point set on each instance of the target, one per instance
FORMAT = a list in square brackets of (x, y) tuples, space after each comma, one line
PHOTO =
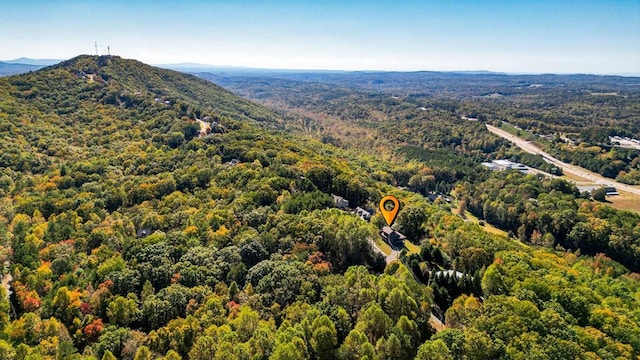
[(513, 36)]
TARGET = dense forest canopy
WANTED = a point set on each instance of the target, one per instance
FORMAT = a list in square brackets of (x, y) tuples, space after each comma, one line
[(149, 214)]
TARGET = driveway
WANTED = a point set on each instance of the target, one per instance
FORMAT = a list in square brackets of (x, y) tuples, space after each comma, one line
[(395, 254)]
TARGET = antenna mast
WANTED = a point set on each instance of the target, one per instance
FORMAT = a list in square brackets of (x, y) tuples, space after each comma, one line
[(96, 45), (109, 50)]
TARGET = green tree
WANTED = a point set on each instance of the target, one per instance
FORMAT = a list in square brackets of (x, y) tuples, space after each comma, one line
[(454, 341), (324, 338), (123, 311), (434, 350), (399, 303), (5, 307), (171, 355), (204, 348), (492, 282), (261, 343), (408, 333), (478, 345), (599, 194), (175, 139), (374, 322), (410, 222), (287, 351), (6, 350), (356, 346), (108, 356), (246, 323), (143, 353), (391, 348)]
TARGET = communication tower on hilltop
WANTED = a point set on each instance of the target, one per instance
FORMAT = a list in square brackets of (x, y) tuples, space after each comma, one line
[(109, 50), (96, 45)]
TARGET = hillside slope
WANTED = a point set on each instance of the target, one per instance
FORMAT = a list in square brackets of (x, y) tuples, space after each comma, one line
[(78, 104)]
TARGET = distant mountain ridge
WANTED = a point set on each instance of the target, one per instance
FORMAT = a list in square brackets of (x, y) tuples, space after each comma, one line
[(202, 68), (24, 65), (189, 67), (30, 61), (7, 69)]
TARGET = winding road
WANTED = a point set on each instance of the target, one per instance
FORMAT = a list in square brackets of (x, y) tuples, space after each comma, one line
[(566, 168), (205, 128)]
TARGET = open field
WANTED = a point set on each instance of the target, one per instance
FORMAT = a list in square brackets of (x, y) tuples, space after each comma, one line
[(516, 132), (487, 227), (411, 247), (383, 246), (625, 201)]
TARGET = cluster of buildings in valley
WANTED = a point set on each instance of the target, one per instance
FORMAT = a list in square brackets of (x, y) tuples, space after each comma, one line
[(500, 165), (391, 236), (624, 142)]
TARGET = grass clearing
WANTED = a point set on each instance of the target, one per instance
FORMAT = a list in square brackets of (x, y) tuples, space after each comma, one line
[(383, 246), (625, 201), (517, 132), (487, 227), (411, 247)]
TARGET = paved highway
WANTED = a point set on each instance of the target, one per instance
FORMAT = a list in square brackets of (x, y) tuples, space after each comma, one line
[(566, 168)]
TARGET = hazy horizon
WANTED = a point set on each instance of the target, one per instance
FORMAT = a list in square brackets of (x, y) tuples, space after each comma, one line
[(197, 67), (525, 37)]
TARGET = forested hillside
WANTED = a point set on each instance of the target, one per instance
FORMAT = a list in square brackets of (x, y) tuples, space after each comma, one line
[(149, 214), (570, 116)]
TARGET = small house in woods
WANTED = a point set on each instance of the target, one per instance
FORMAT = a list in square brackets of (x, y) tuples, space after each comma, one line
[(341, 203), (433, 197), (143, 233), (363, 214), (394, 238)]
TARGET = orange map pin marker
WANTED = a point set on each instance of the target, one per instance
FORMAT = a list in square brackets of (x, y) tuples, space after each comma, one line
[(389, 213)]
